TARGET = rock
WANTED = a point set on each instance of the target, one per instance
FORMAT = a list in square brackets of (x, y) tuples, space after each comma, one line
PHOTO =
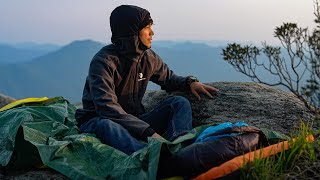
[(256, 104), (4, 100), (34, 174)]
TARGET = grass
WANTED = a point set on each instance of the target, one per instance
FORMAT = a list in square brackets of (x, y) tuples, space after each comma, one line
[(300, 161)]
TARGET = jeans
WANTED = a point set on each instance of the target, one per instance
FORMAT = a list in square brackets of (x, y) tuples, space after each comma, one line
[(173, 117)]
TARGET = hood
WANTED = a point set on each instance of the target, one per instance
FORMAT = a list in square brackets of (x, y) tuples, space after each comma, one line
[(125, 22)]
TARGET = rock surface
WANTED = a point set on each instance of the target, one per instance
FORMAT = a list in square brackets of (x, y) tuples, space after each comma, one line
[(4, 100), (32, 174), (256, 104)]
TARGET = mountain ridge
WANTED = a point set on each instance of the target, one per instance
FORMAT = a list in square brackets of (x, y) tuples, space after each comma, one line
[(10, 54), (63, 71)]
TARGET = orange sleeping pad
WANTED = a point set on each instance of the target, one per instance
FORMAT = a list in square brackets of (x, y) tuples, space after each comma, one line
[(239, 161)]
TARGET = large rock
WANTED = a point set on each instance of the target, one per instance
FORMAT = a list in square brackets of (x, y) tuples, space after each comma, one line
[(4, 100), (254, 103)]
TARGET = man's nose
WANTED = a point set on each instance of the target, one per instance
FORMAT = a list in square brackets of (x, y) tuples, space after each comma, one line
[(151, 32)]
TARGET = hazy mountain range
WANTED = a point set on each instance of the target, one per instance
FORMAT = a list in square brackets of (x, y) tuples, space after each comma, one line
[(22, 52), (61, 71)]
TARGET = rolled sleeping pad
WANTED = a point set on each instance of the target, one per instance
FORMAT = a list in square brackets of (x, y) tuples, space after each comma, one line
[(239, 161)]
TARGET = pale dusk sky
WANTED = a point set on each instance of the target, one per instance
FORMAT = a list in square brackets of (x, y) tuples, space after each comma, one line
[(63, 21)]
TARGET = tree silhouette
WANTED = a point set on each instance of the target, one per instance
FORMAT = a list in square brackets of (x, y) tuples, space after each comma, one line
[(298, 70)]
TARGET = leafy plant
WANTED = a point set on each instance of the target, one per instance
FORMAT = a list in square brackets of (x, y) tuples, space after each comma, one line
[(298, 162)]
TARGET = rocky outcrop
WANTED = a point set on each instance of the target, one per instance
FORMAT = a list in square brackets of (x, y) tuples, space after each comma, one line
[(254, 103), (4, 100)]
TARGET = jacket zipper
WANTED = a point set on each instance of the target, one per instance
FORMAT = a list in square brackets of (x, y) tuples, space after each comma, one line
[(136, 80)]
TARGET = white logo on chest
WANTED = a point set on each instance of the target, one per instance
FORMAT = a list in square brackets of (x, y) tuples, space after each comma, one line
[(141, 77)]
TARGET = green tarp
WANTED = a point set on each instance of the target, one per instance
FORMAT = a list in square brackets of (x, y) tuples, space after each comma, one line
[(46, 132)]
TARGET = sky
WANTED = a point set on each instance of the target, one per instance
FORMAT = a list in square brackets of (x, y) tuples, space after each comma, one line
[(63, 21)]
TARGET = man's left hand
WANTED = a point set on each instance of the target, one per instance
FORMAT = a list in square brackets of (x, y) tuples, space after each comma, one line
[(197, 87)]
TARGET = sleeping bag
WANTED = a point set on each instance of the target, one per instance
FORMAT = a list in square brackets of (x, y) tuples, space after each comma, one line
[(214, 146)]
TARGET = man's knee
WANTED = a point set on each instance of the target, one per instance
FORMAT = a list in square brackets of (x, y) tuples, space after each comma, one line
[(105, 124), (182, 101), (107, 127), (100, 127)]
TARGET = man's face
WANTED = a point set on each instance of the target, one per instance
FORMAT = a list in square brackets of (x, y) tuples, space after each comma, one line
[(146, 34)]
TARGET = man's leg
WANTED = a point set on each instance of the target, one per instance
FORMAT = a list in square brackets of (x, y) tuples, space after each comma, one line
[(112, 134), (173, 116)]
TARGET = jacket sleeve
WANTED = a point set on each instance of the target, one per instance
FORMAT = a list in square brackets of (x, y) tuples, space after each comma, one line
[(102, 88), (166, 78)]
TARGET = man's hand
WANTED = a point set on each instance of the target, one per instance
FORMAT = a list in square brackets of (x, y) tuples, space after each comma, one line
[(156, 135), (197, 87)]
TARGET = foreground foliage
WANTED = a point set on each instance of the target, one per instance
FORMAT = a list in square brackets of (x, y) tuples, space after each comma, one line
[(301, 161)]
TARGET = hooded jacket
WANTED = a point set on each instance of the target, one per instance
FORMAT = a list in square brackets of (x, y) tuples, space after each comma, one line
[(119, 73)]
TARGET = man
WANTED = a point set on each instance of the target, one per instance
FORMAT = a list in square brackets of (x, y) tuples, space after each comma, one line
[(117, 80)]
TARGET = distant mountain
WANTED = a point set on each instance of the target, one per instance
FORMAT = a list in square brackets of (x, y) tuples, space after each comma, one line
[(169, 43), (23, 52), (201, 60), (63, 72), (211, 43), (36, 46)]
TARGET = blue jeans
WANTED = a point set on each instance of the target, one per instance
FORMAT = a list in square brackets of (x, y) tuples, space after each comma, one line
[(173, 117)]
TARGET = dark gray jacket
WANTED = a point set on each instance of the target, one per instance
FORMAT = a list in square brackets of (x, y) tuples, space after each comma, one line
[(119, 74), (115, 86)]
